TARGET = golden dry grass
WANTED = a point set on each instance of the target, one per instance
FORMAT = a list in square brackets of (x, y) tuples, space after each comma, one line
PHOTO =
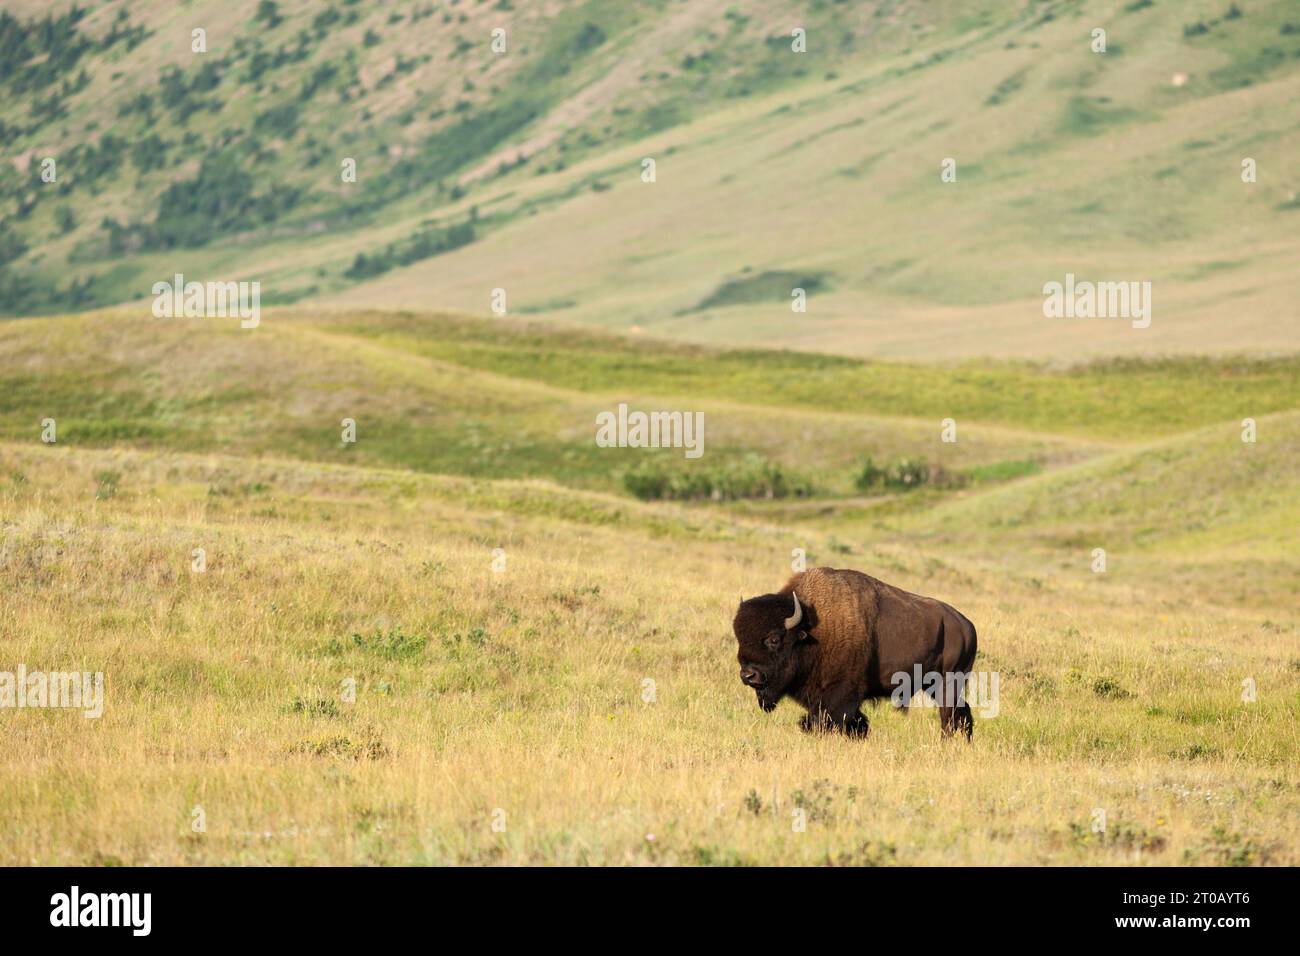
[(522, 691)]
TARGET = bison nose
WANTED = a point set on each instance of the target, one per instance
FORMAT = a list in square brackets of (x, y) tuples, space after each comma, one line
[(751, 677)]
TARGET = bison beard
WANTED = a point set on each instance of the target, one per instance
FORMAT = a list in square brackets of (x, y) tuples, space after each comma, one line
[(831, 639)]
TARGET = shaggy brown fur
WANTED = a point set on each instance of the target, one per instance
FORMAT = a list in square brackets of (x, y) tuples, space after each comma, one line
[(856, 634)]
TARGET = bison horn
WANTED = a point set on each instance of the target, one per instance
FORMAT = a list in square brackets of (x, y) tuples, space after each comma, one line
[(797, 616)]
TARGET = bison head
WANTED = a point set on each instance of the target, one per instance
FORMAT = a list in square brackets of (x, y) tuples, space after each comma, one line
[(772, 631)]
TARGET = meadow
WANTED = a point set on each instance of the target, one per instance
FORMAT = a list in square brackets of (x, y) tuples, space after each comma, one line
[(461, 640)]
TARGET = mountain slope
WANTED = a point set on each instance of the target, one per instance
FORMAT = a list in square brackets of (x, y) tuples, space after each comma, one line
[(774, 169)]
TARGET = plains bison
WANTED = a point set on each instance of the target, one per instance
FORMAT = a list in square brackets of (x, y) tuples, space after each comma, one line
[(831, 639)]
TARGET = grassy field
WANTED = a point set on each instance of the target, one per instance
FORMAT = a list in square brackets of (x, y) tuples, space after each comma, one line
[(584, 697)]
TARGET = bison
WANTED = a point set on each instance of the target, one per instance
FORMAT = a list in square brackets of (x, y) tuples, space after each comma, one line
[(833, 638)]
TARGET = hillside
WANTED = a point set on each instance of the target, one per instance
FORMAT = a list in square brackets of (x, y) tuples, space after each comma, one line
[(774, 169), (1142, 458), (502, 399)]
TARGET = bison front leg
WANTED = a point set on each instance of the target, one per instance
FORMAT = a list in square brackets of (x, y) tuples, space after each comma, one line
[(856, 725), (837, 712), (851, 725)]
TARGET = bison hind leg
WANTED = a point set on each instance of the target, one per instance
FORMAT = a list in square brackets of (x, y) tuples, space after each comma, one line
[(965, 721)]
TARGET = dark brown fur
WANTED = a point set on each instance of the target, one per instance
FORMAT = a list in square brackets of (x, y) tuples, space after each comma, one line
[(856, 634)]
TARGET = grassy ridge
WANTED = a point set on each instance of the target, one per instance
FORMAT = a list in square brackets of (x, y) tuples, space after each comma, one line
[(503, 400), (1161, 495), (1210, 517), (1115, 399), (117, 377)]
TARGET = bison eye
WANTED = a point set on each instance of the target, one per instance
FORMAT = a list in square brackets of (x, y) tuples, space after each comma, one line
[(773, 641)]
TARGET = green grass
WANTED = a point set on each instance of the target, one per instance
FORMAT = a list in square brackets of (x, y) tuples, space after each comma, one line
[(1004, 471), (484, 399), (771, 286), (1112, 399), (120, 381)]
